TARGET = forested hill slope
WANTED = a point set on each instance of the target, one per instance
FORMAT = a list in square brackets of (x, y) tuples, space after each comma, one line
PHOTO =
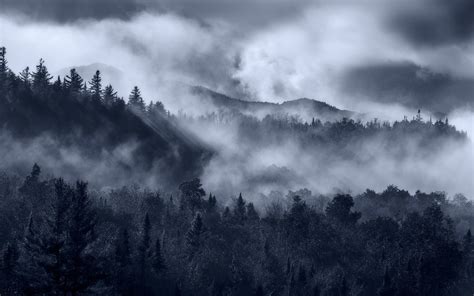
[(304, 107), (62, 123)]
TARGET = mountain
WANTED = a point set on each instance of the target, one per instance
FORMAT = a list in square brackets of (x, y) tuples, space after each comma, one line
[(304, 107), (110, 74)]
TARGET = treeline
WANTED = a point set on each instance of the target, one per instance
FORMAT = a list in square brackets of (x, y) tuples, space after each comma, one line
[(58, 238), (341, 134)]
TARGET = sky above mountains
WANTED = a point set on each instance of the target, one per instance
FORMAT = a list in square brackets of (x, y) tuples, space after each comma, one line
[(361, 55)]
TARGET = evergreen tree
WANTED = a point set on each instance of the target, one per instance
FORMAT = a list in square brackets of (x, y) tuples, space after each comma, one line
[(239, 209), (468, 244), (44, 262), (33, 191), (252, 214), (386, 289), (96, 86), (73, 82), (110, 95), (144, 258), (32, 272), (123, 280), (41, 78), (135, 99), (25, 77), (3, 63), (81, 263), (194, 235), (9, 280), (191, 194), (158, 262), (57, 85), (3, 69)]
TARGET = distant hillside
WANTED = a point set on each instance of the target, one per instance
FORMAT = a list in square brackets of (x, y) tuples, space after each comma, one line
[(71, 131), (110, 74), (304, 107)]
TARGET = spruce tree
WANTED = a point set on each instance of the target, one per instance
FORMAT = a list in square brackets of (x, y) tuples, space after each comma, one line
[(239, 210), (73, 82), (135, 100), (468, 244), (252, 214), (96, 86), (194, 235), (41, 78), (386, 289), (81, 263), (9, 269), (3, 68), (144, 258), (123, 280), (25, 77), (158, 262), (3, 63), (110, 95)]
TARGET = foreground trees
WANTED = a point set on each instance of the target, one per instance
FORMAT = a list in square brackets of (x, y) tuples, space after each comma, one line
[(71, 243)]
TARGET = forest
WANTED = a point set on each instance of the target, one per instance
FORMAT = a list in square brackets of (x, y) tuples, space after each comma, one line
[(173, 236)]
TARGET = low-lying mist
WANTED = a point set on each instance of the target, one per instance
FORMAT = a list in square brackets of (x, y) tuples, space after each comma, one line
[(259, 162)]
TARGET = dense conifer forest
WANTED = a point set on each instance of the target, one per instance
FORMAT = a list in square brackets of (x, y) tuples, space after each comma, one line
[(171, 236)]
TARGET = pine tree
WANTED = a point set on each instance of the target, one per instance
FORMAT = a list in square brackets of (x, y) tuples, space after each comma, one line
[(122, 249), (239, 210), (41, 78), (468, 244), (96, 86), (57, 85), (191, 194), (194, 234), (81, 265), (73, 82), (123, 274), (144, 247), (3, 68), (158, 262), (135, 99), (44, 260), (386, 289), (211, 203), (252, 214), (3, 63), (144, 258), (25, 77), (9, 280), (110, 95), (32, 272), (33, 190)]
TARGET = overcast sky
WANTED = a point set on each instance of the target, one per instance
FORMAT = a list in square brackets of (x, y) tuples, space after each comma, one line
[(354, 54)]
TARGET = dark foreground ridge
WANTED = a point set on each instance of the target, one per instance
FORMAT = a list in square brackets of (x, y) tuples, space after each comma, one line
[(58, 238)]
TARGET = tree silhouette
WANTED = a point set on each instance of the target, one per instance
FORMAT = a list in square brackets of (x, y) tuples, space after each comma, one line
[(73, 82), (96, 86)]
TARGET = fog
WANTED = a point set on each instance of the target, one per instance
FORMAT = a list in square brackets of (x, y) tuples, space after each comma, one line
[(310, 51)]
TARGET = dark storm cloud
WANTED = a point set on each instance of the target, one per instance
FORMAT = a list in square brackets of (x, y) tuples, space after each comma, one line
[(243, 13), (435, 22), (71, 10), (410, 85)]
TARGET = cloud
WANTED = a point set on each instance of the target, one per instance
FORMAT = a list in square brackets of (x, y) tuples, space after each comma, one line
[(434, 22), (410, 85), (72, 10)]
